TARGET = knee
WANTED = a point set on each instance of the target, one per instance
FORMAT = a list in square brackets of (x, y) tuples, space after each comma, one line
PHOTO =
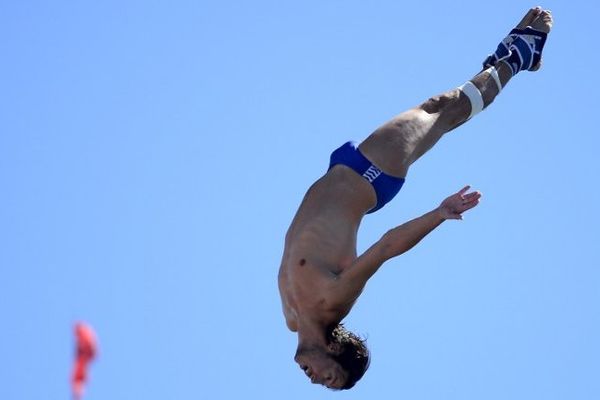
[(437, 104)]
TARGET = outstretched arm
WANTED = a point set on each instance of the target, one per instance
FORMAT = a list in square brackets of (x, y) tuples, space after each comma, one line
[(401, 239), (406, 236)]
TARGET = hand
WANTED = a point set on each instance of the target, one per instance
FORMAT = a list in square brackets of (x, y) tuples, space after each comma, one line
[(458, 203)]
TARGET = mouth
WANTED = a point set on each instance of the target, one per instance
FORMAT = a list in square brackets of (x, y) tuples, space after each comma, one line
[(310, 374)]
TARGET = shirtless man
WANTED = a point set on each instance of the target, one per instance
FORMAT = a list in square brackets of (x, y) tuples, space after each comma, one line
[(321, 275)]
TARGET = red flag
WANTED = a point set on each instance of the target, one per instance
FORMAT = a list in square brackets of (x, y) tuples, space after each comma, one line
[(85, 351)]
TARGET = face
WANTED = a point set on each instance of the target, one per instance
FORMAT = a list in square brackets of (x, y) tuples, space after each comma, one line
[(323, 370)]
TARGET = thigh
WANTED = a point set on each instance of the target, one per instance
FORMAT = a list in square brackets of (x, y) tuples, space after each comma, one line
[(394, 146)]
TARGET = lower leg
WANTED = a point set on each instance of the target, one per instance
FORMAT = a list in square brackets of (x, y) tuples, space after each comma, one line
[(453, 108), (399, 142), (519, 51)]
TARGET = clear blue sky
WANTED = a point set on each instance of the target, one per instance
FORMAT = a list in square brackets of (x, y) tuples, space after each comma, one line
[(153, 153)]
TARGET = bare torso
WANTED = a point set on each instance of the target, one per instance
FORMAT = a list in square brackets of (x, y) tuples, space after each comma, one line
[(321, 276), (319, 244)]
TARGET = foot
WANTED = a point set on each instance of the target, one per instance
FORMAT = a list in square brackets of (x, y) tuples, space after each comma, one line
[(535, 19), (542, 22), (529, 17)]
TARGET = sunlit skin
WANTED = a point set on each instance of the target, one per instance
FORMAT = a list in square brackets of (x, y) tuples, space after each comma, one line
[(321, 275), (321, 369)]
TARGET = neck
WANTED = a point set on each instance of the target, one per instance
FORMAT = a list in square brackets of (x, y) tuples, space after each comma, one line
[(311, 335)]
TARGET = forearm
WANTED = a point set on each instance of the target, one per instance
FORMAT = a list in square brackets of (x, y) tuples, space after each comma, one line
[(399, 240), (407, 235)]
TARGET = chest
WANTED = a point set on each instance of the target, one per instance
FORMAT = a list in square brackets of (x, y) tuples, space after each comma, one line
[(308, 291)]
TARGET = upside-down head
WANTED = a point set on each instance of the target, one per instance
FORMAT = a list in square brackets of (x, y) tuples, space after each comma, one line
[(351, 353), (341, 364)]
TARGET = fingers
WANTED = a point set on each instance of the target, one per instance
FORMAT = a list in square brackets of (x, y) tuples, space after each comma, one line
[(460, 202), (464, 190), (466, 197), (470, 204), (471, 196), (468, 201)]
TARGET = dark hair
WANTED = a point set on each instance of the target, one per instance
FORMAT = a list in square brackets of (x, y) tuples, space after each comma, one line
[(350, 353)]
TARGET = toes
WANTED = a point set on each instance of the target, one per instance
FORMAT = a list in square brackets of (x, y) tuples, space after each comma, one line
[(543, 21), (547, 18), (529, 17)]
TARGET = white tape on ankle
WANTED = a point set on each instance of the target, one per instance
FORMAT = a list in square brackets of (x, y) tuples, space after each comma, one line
[(492, 71), (474, 95)]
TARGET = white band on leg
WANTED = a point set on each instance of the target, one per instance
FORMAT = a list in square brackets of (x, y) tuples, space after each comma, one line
[(474, 95), (492, 71)]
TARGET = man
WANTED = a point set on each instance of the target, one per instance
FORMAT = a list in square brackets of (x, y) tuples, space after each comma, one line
[(321, 276)]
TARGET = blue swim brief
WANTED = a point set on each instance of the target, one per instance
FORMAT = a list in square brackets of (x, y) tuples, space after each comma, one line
[(386, 186)]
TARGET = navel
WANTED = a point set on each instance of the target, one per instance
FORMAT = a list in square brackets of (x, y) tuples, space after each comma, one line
[(302, 262)]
